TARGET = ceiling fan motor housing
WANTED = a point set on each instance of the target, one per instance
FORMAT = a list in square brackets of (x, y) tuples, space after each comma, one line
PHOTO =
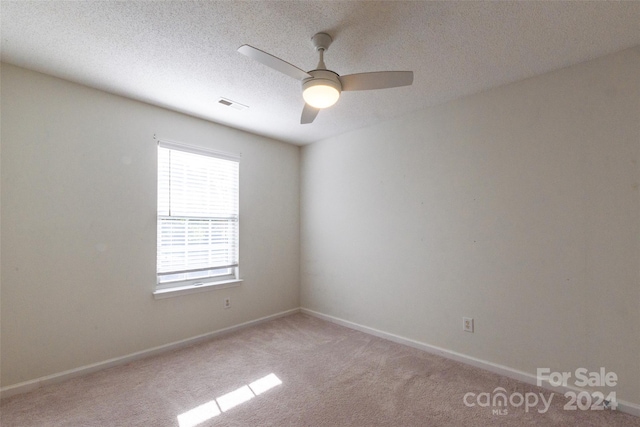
[(325, 77)]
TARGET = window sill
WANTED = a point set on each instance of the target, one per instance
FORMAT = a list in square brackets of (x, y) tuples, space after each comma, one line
[(192, 289)]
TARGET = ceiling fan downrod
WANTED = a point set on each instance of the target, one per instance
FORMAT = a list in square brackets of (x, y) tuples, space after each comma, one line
[(321, 42)]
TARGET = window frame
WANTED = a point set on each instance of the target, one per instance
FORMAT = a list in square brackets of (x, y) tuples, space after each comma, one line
[(231, 276)]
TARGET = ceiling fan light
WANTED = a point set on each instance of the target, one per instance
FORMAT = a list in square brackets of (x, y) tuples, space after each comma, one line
[(320, 93)]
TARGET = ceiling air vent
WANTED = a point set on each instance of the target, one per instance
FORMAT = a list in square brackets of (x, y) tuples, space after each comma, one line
[(232, 104)]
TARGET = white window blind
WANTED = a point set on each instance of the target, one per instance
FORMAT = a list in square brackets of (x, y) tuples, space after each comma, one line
[(197, 214)]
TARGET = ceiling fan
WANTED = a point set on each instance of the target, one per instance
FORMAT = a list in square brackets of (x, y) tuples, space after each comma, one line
[(321, 87)]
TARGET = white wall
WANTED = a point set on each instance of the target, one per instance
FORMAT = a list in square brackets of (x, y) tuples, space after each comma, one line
[(518, 207), (78, 227)]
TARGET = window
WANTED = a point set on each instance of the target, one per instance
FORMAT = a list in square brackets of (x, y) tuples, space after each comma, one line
[(197, 217)]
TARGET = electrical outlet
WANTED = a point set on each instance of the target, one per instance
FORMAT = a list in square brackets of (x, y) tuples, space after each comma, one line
[(467, 324), (227, 302)]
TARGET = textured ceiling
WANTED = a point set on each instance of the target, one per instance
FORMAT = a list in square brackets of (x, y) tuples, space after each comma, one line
[(182, 55)]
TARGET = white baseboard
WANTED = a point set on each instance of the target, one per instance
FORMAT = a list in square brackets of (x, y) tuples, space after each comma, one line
[(27, 386), (623, 406)]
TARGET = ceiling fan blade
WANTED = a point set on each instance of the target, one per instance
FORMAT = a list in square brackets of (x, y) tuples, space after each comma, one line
[(308, 114), (376, 80), (273, 62)]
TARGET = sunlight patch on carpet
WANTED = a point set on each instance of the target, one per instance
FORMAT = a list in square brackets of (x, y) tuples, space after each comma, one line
[(236, 397), (199, 414), (212, 409), (264, 384)]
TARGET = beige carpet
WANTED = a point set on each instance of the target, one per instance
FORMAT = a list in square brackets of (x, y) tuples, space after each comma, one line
[(293, 371)]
